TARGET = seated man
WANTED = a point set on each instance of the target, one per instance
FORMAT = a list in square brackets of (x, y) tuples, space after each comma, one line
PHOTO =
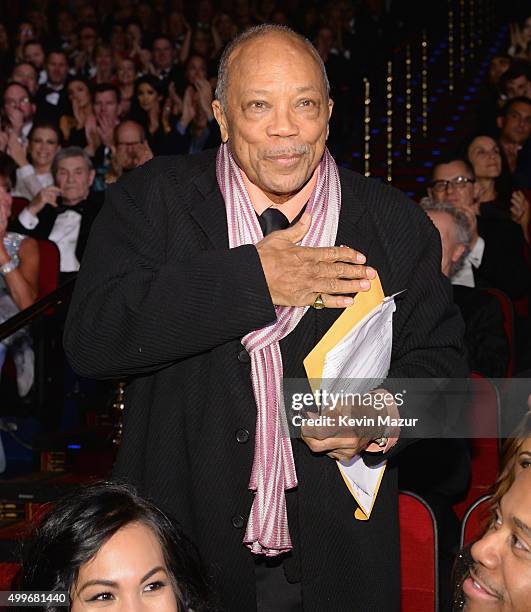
[(64, 213), (514, 123), (496, 257), (130, 149), (485, 340)]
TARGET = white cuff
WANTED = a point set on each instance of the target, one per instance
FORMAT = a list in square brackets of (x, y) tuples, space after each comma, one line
[(28, 219), (25, 171)]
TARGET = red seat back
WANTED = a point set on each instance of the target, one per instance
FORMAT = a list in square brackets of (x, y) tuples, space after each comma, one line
[(508, 323), (418, 554), (485, 460), (49, 261), (17, 206), (475, 520)]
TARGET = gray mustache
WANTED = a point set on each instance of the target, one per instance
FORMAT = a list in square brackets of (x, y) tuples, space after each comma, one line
[(291, 150)]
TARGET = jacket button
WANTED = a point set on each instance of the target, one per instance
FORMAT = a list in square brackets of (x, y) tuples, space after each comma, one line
[(244, 357), (238, 521), (242, 436)]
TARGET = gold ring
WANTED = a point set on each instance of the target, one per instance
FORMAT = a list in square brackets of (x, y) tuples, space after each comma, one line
[(318, 304)]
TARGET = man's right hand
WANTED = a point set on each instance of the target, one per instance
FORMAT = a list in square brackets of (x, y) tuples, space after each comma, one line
[(297, 275), (48, 195)]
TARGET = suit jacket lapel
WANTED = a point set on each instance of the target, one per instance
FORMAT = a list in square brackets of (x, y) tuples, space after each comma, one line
[(208, 209)]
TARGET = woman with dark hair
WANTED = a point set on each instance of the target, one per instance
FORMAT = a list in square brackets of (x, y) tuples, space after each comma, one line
[(146, 108), (496, 197), (74, 125), (34, 171), (105, 545)]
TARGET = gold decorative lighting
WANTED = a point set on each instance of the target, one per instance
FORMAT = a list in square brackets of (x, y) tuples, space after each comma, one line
[(389, 121), (424, 84), (367, 128), (408, 102)]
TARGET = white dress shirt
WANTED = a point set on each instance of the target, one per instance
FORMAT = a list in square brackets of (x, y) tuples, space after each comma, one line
[(65, 232), (465, 276)]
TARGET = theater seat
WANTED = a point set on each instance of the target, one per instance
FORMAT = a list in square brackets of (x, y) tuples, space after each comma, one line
[(418, 554), (49, 262), (508, 323), (485, 451), (475, 520)]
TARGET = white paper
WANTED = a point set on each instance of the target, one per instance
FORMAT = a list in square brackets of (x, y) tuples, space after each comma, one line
[(358, 364)]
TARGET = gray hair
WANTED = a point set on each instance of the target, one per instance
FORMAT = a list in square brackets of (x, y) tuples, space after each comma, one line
[(252, 34), (70, 152), (462, 229)]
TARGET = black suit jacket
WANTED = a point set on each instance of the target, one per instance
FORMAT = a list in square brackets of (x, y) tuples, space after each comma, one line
[(47, 111), (48, 215), (163, 300), (485, 340), (503, 265)]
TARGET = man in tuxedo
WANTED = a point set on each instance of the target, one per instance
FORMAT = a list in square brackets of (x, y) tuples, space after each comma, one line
[(163, 57), (52, 98), (64, 212), (485, 339), (496, 256), (191, 289)]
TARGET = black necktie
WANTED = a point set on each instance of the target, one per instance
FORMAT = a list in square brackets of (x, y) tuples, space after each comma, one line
[(272, 220)]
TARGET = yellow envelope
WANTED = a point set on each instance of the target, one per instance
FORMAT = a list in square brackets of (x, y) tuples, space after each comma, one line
[(364, 303)]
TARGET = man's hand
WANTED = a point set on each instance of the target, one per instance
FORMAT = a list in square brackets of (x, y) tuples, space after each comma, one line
[(344, 439), (48, 195), (297, 275), (17, 150)]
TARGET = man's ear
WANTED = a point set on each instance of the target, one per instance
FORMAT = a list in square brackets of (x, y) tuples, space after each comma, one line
[(219, 114), (458, 251), (330, 107), (499, 121)]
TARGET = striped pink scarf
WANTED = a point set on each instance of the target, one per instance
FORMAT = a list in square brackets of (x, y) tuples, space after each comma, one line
[(273, 469)]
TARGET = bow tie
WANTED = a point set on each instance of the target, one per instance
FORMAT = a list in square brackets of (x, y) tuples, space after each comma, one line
[(78, 208)]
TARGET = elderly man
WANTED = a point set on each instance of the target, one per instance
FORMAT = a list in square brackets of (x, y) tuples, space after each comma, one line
[(185, 290), (19, 110), (130, 149), (64, 212), (485, 339)]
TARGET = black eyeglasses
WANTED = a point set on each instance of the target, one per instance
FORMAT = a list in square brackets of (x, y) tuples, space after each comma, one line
[(459, 182)]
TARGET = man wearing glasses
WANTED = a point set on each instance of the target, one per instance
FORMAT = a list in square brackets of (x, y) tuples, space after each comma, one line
[(18, 110), (496, 257)]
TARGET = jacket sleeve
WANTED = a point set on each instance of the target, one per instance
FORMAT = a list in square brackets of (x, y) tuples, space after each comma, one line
[(136, 310)]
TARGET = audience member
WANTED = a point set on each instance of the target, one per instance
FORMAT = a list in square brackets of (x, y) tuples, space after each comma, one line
[(497, 245), (106, 546), (75, 125), (521, 39), (131, 149), (34, 54), (51, 96), (486, 342), (104, 62), (18, 111), (515, 129), (494, 190), (64, 213), (27, 74), (516, 81), (99, 129), (146, 108), (163, 57), (83, 57), (126, 75), (19, 269), (35, 162)]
